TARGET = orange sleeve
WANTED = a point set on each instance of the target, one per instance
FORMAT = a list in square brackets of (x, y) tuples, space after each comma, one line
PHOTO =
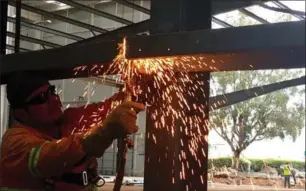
[(24, 154), (88, 116)]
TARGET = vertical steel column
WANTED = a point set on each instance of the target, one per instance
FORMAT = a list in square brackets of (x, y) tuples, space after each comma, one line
[(17, 26), (162, 163), (3, 25), (3, 21)]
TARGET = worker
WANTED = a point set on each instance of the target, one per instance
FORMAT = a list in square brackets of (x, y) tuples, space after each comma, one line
[(287, 175), (47, 148), (293, 173)]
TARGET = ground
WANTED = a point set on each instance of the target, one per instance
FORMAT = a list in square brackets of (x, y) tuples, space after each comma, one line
[(214, 187)]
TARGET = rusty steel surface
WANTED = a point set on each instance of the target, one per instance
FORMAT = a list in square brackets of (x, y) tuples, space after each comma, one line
[(226, 40), (272, 46)]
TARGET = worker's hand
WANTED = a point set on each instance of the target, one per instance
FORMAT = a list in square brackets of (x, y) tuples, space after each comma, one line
[(120, 122)]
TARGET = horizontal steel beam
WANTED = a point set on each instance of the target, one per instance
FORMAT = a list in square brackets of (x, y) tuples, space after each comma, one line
[(96, 12), (252, 15), (45, 29), (11, 47), (34, 40), (130, 30), (229, 99), (133, 6), (220, 22), (217, 8), (58, 17), (279, 45), (281, 5), (240, 48)]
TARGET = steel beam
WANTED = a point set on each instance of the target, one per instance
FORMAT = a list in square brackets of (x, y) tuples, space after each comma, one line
[(118, 34), (228, 99), (95, 11), (227, 40), (220, 22), (3, 24), (164, 165), (240, 48), (217, 8), (254, 16), (58, 17), (133, 6), (34, 40), (10, 47), (281, 5), (46, 29), (17, 25)]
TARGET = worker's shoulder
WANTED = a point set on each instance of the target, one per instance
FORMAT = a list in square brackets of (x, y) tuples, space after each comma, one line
[(18, 137), (16, 130), (17, 133)]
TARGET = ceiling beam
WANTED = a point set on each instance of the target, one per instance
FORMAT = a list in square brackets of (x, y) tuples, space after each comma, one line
[(281, 5), (129, 30), (237, 48), (254, 16), (226, 40), (11, 47), (133, 6), (228, 99), (34, 40), (217, 8), (45, 29), (96, 11), (220, 22), (59, 17)]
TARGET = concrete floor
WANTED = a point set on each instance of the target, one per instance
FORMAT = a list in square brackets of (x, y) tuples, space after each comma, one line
[(216, 187)]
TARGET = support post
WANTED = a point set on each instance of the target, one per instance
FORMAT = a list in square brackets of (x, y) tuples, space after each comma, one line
[(3, 26), (163, 164), (17, 26)]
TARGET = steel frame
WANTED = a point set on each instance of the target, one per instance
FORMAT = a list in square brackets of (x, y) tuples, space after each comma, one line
[(46, 29), (254, 44), (58, 17), (96, 12), (34, 40)]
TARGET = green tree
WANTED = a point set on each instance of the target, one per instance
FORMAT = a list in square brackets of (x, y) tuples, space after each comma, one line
[(264, 117)]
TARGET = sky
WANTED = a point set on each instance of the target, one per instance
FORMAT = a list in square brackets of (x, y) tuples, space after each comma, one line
[(275, 148)]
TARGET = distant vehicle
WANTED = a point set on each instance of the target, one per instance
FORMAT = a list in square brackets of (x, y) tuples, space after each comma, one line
[(131, 181), (128, 181), (299, 174), (108, 179)]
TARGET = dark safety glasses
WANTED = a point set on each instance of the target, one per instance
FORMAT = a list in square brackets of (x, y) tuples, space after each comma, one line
[(42, 97)]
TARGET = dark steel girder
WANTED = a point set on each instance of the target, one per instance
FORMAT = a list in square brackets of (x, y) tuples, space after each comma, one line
[(129, 30), (254, 16), (272, 46), (11, 47), (217, 8), (220, 22), (45, 29), (34, 40), (133, 6), (59, 17), (95, 11), (281, 5), (226, 100)]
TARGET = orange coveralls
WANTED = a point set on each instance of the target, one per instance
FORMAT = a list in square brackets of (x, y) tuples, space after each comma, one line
[(29, 156)]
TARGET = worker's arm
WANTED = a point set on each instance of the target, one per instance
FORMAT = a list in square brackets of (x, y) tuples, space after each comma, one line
[(25, 154), (88, 116)]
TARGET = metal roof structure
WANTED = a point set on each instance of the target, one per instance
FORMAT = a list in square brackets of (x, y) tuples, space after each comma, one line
[(54, 10)]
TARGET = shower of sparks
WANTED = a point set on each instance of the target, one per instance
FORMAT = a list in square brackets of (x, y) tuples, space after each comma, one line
[(168, 90)]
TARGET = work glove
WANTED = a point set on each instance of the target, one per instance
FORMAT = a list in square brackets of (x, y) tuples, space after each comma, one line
[(120, 122)]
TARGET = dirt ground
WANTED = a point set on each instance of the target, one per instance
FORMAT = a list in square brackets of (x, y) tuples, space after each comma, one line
[(220, 187), (265, 182)]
